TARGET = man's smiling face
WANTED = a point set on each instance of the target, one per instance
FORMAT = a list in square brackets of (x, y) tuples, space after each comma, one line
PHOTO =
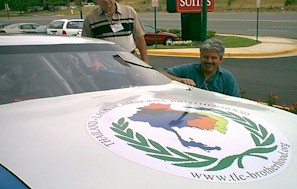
[(210, 61)]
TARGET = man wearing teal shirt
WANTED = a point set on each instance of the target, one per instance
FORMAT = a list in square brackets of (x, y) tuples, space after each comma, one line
[(207, 74)]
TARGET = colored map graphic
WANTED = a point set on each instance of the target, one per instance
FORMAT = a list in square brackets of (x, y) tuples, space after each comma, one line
[(162, 116)]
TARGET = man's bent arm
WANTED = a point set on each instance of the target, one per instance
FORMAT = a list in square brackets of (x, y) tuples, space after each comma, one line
[(141, 45), (182, 80)]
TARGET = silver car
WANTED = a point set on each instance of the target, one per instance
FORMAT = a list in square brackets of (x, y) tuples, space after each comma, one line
[(20, 28)]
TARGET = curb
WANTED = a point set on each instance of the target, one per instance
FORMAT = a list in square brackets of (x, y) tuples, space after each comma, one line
[(260, 54), (192, 53), (171, 52)]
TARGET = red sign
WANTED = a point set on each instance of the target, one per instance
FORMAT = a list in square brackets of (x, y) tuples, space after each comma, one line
[(193, 6)]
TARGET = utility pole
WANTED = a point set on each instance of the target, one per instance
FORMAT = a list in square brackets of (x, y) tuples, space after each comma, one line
[(257, 30), (155, 4), (80, 9), (204, 21)]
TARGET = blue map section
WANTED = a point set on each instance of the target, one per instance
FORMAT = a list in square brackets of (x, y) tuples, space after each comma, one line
[(10, 181), (168, 119)]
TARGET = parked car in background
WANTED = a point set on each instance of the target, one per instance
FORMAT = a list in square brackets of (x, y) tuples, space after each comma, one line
[(83, 113), (70, 27), (3, 24), (20, 28), (161, 37), (89, 5)]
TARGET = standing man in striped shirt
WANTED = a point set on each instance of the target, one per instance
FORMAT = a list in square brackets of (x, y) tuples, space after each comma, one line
[(117, 23)]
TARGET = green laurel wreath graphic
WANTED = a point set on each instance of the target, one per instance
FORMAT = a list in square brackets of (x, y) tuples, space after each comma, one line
[(262, 140)]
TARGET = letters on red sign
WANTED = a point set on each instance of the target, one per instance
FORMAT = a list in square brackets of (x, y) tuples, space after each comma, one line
[(192, 6)]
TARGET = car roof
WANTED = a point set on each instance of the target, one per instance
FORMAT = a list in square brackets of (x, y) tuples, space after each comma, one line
[(23, 23), (68, 20), (15, 40), (12, 25)]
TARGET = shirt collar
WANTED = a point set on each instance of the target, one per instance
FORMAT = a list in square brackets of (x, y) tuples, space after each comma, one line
[(118, 9), (200, 69)]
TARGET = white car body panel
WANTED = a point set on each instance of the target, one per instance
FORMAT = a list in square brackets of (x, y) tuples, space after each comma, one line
[(51, 40), (46, 144), (74, 141)]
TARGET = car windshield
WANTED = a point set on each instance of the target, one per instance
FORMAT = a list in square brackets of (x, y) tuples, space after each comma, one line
[(56, 25), (54, 72), (149, 28)]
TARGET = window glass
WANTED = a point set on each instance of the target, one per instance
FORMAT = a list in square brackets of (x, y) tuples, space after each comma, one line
[(27, 26), (56, 25), (35, 26), (32, 75), (75, 25), (149, 29)]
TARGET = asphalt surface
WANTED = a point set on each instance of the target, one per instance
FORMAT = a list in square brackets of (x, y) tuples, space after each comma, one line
[(270, 48)]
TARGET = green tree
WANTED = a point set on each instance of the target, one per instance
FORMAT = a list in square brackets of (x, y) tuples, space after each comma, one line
[(56, 2), (2, 2), (22, 5), (290, 2)]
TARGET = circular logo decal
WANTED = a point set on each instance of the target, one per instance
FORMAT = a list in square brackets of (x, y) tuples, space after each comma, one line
[(201, 141)]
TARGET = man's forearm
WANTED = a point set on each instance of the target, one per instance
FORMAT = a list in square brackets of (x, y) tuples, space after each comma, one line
[(141, 45)]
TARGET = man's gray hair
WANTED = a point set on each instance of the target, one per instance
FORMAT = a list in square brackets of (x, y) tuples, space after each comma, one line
[(213, 44)]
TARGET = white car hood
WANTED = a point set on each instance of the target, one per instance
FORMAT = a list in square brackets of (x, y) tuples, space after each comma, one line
[(58, 142)]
